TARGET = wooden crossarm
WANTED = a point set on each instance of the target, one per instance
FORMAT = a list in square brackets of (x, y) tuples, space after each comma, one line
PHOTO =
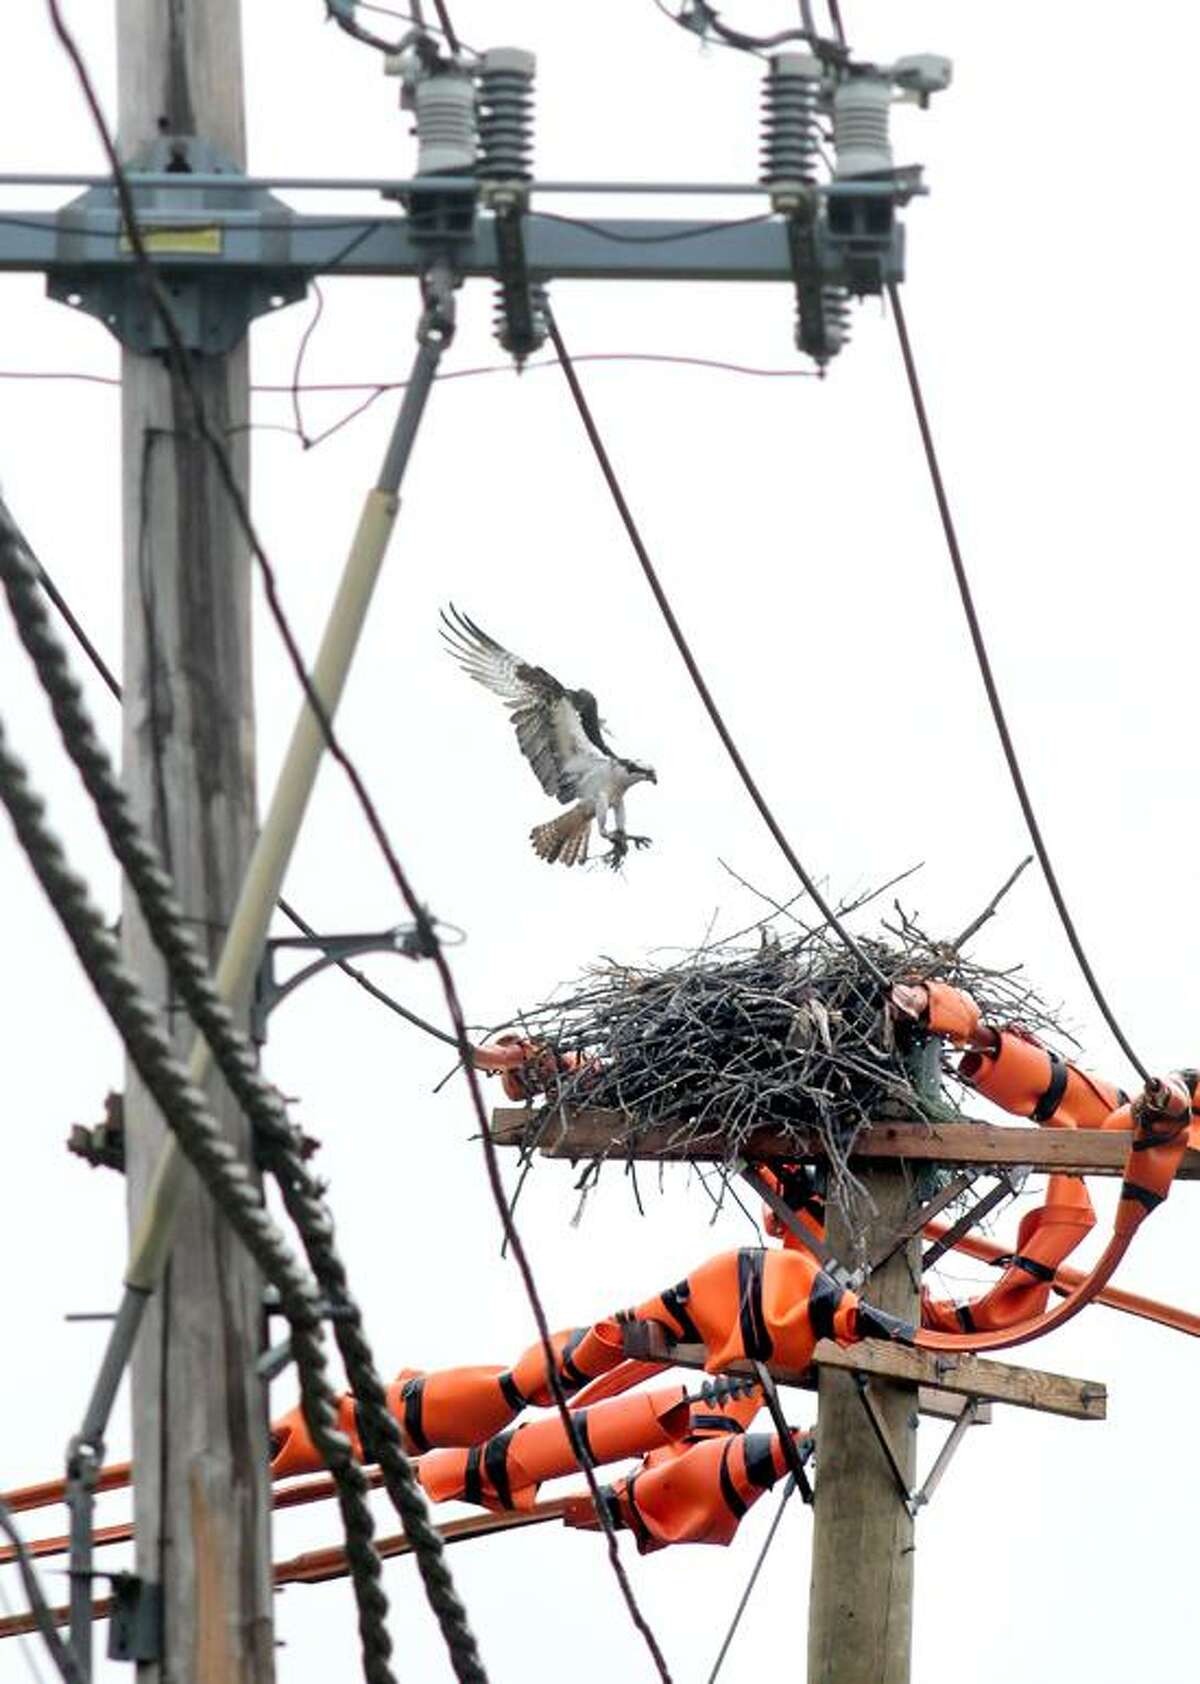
[(939, 1371), (597, 1134)]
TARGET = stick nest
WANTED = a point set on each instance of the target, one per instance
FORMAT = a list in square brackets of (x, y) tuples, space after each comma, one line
[(789, 1033)]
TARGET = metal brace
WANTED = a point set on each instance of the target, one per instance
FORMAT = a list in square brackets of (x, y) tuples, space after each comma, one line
[(186, 233), (791, 1449), (915, 1500), (405, 940), (136, 1620), (1008, 1184), (907, 1497), (850, 1279)]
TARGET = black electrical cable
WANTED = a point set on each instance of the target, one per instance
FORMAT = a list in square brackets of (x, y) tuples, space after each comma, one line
[(989, 684), (63, 1658), (181, 366), (443, 13), (689, 660)]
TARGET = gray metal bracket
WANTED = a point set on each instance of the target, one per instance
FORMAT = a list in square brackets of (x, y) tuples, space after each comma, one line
[(185, 231), (404, 939), (136, 1620), (878, 1427), (915, 1500)]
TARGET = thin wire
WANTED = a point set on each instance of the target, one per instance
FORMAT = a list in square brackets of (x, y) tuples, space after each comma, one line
[(835, 18), (695, 232), (183, 369), (989, 684), (689, 660), (452, 40), (788, 1493), (298, 368), (289, 911)]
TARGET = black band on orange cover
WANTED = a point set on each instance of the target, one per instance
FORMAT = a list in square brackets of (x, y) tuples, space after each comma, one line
[(1031, 1266), (472, 1483), (495, 1466), (756, 1341), (824, 1297), (1050, 1101), (760, 1460), (734, 1503), (1141, 1195), (413, 1394), (674, 1302), (510, 1391)]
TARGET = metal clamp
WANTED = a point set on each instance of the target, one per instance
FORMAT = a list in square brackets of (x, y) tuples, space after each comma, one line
[(405, 939), (136, 1619), (185, 232)]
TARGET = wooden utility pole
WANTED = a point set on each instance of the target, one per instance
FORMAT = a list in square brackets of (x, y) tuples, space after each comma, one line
[(199, 1418), (861, 1600)]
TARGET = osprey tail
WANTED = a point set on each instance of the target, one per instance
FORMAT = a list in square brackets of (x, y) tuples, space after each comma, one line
[(564, 839)]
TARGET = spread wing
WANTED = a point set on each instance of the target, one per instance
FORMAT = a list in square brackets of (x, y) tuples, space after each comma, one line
[(558, 729)]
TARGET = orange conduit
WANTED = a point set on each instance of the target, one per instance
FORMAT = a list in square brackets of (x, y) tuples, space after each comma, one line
[(1046, 1237), (505, 1473), (770, 1306), (458, 1407), (1160, 1119), (698, 1497)]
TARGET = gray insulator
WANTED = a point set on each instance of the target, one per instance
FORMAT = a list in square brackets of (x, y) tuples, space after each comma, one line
[(506, 114), (444, 105), (790, 131), (862, 109), (822, 322)]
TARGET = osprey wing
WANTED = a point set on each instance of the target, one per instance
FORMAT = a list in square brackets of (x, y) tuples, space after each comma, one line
[(544, 714)]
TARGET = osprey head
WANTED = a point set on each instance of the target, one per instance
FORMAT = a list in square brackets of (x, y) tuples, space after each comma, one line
[(640, 774)]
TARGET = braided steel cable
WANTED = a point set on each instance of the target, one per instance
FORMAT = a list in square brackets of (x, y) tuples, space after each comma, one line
[(226, 1178), (181, 367), (274, 1133)]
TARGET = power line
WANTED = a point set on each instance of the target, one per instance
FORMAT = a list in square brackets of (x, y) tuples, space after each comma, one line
[(689, 660), (989, 684), (182, 366)]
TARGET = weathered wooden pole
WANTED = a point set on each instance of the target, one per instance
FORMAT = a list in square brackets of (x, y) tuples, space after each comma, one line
[(861, 1600), (199, 1418)]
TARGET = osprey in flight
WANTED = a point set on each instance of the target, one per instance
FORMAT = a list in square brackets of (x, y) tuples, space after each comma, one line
[(560, 736)]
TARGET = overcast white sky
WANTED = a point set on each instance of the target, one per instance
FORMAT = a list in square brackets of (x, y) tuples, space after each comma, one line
[(795, 530)]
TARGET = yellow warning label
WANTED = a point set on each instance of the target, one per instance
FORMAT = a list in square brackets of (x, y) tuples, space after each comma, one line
[(189, 242)]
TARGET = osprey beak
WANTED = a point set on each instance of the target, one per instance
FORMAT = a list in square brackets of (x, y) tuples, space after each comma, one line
[(652, 775)]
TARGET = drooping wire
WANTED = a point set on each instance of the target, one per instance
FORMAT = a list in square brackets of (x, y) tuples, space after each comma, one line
[(990, 686), (60, 1654), (181, 365), (701, 19), (689, 660), (378, 389)]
